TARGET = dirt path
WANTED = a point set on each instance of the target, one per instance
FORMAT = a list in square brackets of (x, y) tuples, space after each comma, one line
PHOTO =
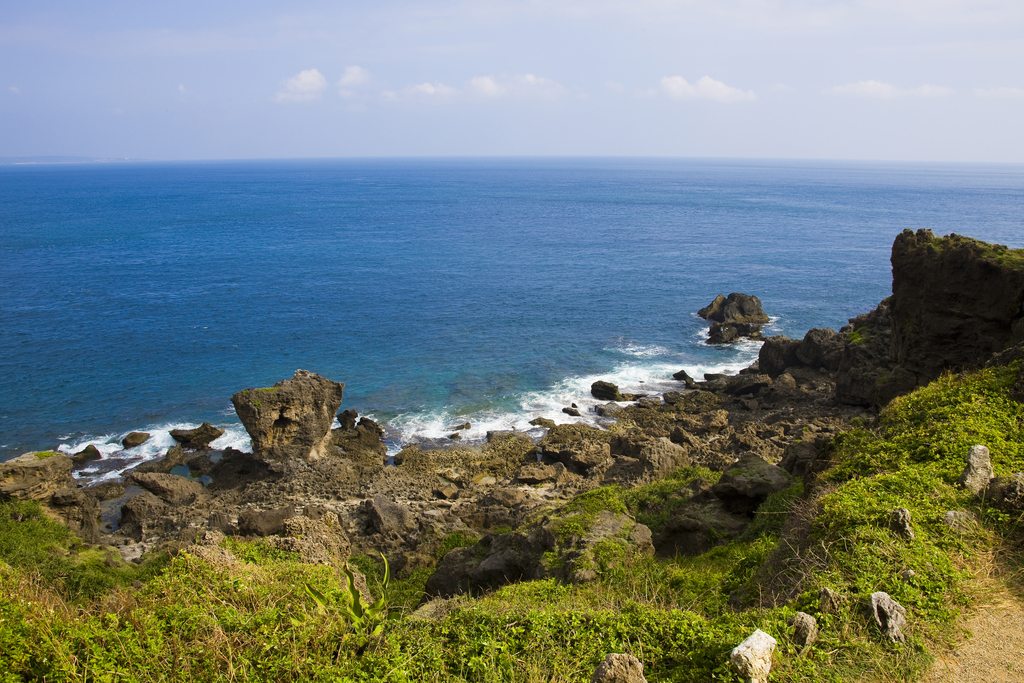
[(995, 651)]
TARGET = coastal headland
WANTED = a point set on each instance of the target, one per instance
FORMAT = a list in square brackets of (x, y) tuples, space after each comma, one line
[(831, 497)]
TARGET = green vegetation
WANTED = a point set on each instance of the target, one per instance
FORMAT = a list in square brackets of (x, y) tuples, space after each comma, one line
[(254, 619), (858, 336), (267, 389), (41, 455)]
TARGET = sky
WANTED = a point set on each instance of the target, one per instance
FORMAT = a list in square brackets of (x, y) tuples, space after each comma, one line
[(901, 80)]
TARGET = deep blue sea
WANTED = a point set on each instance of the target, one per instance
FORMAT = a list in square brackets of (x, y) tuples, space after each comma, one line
[(142, 296)]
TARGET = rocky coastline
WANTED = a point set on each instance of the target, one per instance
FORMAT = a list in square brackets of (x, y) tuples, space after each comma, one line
[(328, 492), (533, 510)]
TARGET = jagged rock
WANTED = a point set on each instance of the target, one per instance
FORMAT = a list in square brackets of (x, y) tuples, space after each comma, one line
[(264, 522), (347, 419), (799, 457), (737, 308), (175, 456), (581, 456), (663, 456), (539, 473), (220, 522), (291, 419), (35, 476), (682, 376), (607, 409), (805, 629), (890, 615), (821, 348), (776, 354), (723, 333), (492, 562), (143, 514), (606, 391), (315, 541), (543, 422), (978, 472), (87, 454), (387, 517), (741, 385), (78, 511), (1006, 493), (829, 601), (571, 411), (899, 523), (197, 438), (134, 439), (960, 520), (447, 491), (955, 302), (618, 668), (748, 483), (752, 658), (170, 488)]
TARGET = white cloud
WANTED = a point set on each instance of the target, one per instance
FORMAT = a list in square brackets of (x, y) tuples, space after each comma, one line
[(353, 76), (389, 95), (181, 87), (1000, 93), (486, 86), (706, 88), (304, 86), (15, 90), (885, 91), (431, 90), (615, 87), (516, 86)]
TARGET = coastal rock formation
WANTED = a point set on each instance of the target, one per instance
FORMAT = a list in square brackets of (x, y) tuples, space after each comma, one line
[(197, 438), (605, 391), (292, 419), (169, 488), (739, 315), (748, 483), (134, 439), (752, 658), (955, 302), (35, 476)]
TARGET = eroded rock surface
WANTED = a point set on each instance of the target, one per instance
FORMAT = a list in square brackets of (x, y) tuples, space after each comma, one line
[(292, 419)]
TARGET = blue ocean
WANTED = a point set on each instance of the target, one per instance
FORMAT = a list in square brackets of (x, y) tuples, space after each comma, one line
[(141, 296)]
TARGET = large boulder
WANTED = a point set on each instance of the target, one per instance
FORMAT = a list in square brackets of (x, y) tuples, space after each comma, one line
[(821, 348), (197, 438), (776, 354), (748, 483), (736, 308), (169, 488), (35, 476), (134, 439), (605, 391), (293, 418)]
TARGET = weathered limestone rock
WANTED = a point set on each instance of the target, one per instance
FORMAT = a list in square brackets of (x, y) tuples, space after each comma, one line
[(955, 302), (197, 438), (618, 668), (960, 520), (87, 454), (175, 456), (606, 391), (573, 412), (752, 658), (776, 354), (543, 422), (389, 518), (829, 601), (978, 472), (890, 615), (264, 522), (748, 483), (899, 523), (539, 473), (736, 308), (805, 629), (684, 377), (1006, 493), (35, 476), (291, 419), (169, 488), (134, 439), (821, 348), (742, 385)]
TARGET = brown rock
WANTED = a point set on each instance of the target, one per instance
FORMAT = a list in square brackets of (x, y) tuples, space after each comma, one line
[(291, 419), (618, 668), (134, 439), (197, 438), (170, 488)]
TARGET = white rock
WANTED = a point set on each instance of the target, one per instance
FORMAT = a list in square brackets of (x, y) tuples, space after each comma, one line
[(753, 657)]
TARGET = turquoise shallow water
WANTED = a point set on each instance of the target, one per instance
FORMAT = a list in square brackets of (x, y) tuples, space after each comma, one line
[(439, 290)]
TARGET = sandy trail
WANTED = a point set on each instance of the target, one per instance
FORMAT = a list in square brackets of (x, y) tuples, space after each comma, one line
[(995, 651)]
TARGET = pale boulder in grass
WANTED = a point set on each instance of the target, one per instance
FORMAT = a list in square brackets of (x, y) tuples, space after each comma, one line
[(618, 668), (978, 472), (752, 658)]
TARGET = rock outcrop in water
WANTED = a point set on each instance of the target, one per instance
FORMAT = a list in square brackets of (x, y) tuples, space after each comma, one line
[(735, 316), (292, 419)]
